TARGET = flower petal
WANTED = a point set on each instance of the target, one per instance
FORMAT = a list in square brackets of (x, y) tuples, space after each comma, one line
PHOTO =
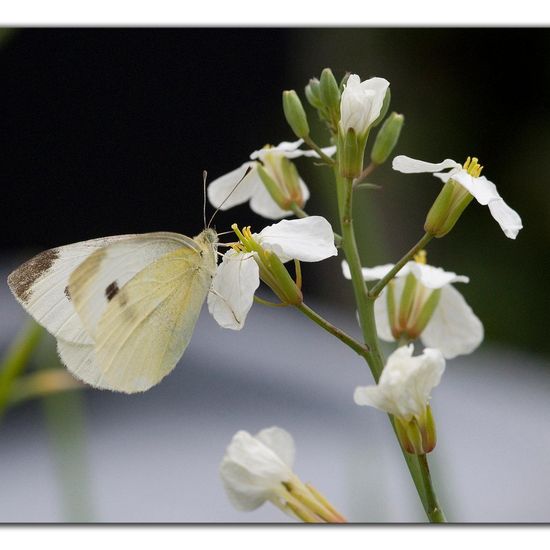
[(374, 273), (381, 311), (233, 286), (508, 219), (280, 442), (288, 148), (454, 328), (481, 188), (435, 277), (406, 381), (308, 239), (408, 165), (225, 189), (263, 204), (251, 471)]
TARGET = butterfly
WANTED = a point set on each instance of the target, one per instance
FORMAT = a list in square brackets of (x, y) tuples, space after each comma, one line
[(123, 309)]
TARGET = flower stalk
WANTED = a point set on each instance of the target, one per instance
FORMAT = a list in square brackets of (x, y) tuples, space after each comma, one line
[(365, 307)]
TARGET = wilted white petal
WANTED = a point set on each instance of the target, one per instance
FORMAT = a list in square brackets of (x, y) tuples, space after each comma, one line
[(308, 239), (481, 188), (232, 291), (406, 382), (280, 442), (454, 328), (508, 219), (435, 277), (225, 187), (409, 165), (251, 471)]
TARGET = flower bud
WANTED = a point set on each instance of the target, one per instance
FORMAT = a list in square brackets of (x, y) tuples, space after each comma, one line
[(387, 138), (313, 94), (330, 93), (295, 114)]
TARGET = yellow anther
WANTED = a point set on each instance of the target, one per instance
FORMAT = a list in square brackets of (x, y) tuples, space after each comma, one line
[(420, 257), (473, 167)]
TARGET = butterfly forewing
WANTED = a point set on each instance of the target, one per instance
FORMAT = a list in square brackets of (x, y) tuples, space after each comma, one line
[(147, 323)]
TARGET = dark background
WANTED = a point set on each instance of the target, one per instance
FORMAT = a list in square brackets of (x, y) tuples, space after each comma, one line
[(107, 131)]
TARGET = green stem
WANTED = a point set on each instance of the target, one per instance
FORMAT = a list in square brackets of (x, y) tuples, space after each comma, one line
[(377, 288), (16, 360), (319, 151), (433, 509), (374, 358), (356, 346)]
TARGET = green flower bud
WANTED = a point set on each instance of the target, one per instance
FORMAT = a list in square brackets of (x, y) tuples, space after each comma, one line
[(313, 94), (330, 93), (387, 138), (295, 114)]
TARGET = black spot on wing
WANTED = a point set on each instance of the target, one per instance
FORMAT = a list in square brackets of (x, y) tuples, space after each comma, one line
[(111, 291), (67, 293), (23, 278)]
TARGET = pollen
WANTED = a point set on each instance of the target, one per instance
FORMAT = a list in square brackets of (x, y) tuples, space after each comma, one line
[(420, 257), (473, 167)]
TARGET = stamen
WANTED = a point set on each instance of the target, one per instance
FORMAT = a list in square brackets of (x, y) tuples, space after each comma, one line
[(420, 257), (473, 167)]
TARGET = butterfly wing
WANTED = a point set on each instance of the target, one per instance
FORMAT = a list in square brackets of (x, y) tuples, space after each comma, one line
[(146, 324), (41, 285)]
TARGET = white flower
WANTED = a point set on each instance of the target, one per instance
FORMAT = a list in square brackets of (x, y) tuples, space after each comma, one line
[(361, 103), (453, 327), (223, 194), (254, 467), (483, 190), (405, 384), (309, 239)]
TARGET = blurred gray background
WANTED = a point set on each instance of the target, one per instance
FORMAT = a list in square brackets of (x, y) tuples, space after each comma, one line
[(107, 131)]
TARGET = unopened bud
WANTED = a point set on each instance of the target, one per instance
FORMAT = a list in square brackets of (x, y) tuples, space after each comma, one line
[(295, 114), (312, 92), (387, 138), (330, 93)]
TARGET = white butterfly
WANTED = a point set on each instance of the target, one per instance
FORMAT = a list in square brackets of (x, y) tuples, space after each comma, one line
[(122, 308)]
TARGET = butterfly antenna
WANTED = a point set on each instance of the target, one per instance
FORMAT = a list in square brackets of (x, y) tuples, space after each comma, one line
[(248, 170), (204, 176)]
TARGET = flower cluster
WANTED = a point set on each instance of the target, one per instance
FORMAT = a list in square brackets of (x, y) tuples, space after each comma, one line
[(414, 301)]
